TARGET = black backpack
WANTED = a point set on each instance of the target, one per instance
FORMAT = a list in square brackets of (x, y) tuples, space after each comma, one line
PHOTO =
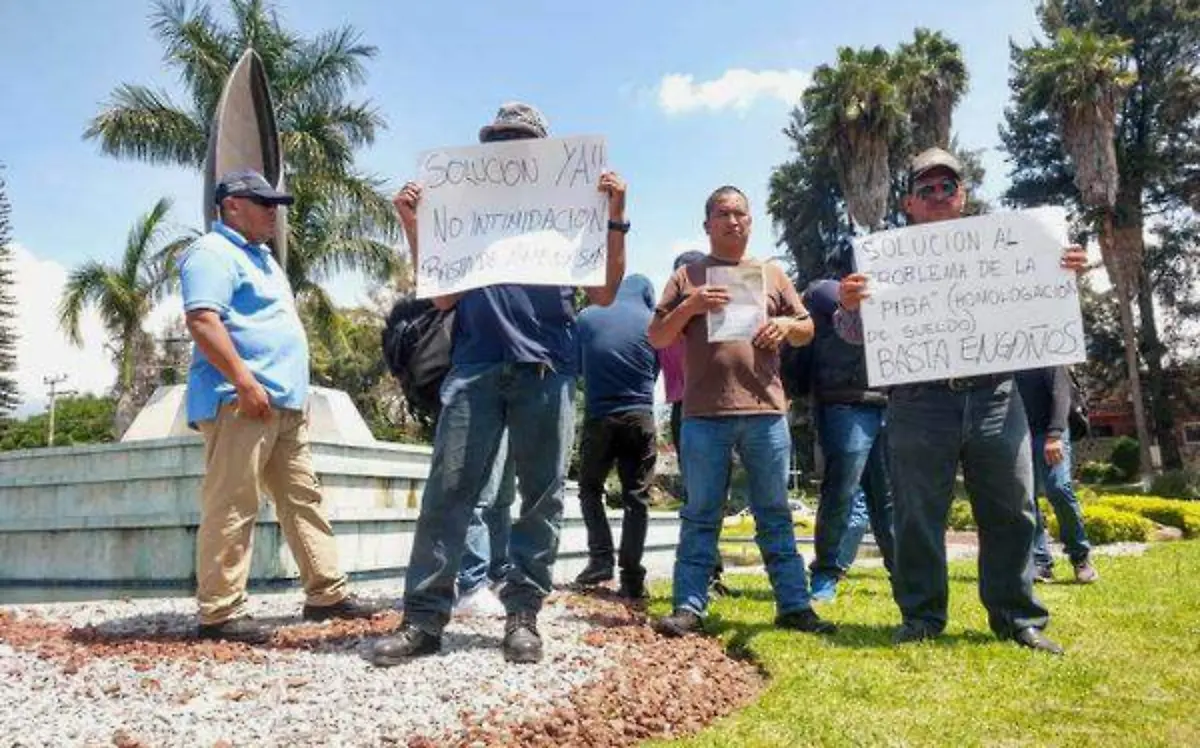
[(417, 340)]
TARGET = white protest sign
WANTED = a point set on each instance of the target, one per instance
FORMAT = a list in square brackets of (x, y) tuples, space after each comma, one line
[(972, 296), (518, 211)]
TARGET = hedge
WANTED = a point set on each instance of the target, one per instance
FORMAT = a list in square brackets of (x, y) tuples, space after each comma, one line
[(1181, 514), (1105, 524)]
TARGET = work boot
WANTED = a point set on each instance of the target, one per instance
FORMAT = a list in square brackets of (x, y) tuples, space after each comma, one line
[(242, 629), (680, 623), (522, 643), (348, 608), (409, 642), (596, 572)]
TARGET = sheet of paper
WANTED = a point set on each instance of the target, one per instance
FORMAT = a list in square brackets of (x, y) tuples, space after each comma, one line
[(747, 308)]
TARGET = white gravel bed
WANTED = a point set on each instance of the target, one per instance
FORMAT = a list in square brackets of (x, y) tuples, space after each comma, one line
[(332, 696)]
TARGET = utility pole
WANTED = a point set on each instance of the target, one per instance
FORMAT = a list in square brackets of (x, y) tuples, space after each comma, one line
[(52, 382)]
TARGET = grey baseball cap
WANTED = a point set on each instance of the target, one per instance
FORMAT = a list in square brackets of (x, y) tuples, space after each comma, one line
[(928, 160), (516, 116), (249, 183)]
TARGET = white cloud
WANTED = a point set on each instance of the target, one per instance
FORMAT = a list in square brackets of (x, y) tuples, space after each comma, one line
[(42, 349), (736, 89)]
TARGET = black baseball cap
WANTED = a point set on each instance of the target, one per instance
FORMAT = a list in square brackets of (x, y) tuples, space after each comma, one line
[(249, 183)]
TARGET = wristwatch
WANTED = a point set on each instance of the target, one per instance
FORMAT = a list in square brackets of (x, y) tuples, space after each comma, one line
[(622, 226)]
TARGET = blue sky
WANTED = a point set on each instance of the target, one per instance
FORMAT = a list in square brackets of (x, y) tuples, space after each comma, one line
[(689, 95)]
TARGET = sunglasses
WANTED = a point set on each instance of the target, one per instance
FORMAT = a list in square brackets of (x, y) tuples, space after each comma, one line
[(948, 186), (500, 135)]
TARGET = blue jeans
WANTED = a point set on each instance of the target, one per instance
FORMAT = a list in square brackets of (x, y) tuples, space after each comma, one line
[(931, 428), (856, 528), (479, 403), (1055, 482), (485, 557), (854, 444), (764, 444)]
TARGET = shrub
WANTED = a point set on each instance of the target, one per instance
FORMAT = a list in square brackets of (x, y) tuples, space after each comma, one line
[(1181, 514), (1105, 524), (1099, 472), (1177, 484), (1126, 457), (960, 516)]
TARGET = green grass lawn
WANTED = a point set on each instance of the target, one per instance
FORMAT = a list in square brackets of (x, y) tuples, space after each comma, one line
[(1131, 676)]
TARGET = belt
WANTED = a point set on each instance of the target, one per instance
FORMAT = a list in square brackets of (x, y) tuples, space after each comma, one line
[(966, 384)]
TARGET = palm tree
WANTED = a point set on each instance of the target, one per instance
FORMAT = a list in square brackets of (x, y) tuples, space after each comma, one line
[(1082, 80), (854, 108), (932, 78), (340, 220), (125, 294)]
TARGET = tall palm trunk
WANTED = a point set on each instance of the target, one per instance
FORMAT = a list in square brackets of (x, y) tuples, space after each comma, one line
[(1121, 264)]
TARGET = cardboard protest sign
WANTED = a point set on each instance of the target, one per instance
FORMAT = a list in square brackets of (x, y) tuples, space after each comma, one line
[(967, 297), (519, 211)]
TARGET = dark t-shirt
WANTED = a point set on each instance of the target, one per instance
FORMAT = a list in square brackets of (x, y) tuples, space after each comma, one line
[(510, 323), (619, 365)]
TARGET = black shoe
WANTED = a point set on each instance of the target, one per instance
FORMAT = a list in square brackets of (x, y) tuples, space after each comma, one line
[(243, 629), (679, 623), (596, 572), (914, 631), (409, 642), (348, 608), (1033, 638), (522, 643), (804, 620), (632, 590)]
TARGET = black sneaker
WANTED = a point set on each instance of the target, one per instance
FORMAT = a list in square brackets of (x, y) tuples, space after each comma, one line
[(679, 623), (805, 620), (522, 643), (348, 608), (596, 572), (914, 631), (717, 588), (243, 629), (409, 642)]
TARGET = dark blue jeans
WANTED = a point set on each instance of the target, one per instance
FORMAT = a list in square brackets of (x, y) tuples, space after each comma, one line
[(479, 402), (854, 444), (931, 429), (764, 444), (485, 556), (1055, 482)]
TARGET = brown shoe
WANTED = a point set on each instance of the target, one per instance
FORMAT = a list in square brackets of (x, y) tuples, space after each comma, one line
[(242, 629), (1085, 573), (348, 608)]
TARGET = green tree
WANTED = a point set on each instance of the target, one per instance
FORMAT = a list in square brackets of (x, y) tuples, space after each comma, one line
[(853, 109), (806, 199), (341, 220), (124, 295), (932, 77), (86, 419), (9, 395), (1157, 147)]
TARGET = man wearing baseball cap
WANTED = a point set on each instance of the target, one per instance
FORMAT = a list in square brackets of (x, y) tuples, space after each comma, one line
[(513, 368), (933, 426), (247, 391)]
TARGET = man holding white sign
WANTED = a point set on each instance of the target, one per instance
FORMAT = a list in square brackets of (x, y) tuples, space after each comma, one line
[(513, 366), (733, 312), (954, 307)]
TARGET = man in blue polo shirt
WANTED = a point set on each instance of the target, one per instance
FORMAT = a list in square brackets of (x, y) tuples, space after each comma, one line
[(513, 366), (247, 390)]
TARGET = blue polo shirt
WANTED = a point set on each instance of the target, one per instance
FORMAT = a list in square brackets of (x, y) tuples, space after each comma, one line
[(511, 323), (243, 284)]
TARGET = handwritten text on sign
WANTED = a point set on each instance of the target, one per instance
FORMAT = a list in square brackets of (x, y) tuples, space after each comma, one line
[(972, 296), (522, 211)]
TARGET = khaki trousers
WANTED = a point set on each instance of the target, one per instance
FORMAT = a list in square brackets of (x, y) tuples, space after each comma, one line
[(243, 456)]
